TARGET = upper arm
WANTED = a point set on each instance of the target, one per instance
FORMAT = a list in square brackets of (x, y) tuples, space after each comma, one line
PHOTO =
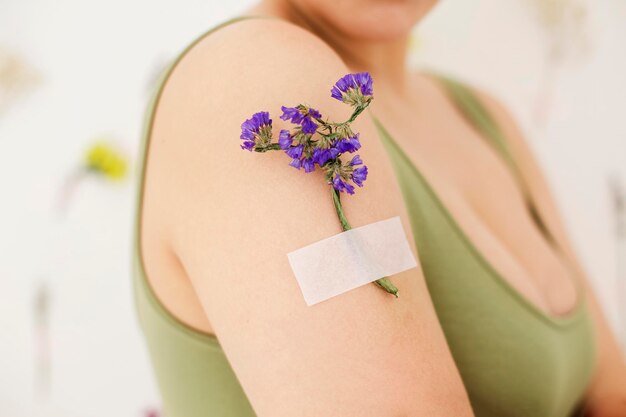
[(608, 388), (234, 215)]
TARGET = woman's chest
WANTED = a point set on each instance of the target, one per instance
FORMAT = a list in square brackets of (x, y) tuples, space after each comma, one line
[(481, 193), (515, 358)]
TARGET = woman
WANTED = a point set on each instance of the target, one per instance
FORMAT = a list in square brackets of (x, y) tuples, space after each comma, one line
[(497, 320)]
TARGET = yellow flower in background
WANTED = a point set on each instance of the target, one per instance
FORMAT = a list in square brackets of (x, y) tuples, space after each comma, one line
[(104, 159)]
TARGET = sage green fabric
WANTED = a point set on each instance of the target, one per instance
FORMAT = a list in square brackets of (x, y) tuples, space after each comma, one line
[(515, 361)]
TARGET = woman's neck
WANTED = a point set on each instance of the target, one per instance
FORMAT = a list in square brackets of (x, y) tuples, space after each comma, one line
[(385, 61)]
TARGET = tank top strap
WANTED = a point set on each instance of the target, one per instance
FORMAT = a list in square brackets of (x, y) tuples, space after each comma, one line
[(472, 108)]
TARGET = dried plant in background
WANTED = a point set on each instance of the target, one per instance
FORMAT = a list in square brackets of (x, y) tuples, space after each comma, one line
[(16, 78), (41, 313), (618, 197), (565, 25)]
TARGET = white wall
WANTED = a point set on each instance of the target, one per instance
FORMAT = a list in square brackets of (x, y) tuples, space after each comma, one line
[(97, 58)]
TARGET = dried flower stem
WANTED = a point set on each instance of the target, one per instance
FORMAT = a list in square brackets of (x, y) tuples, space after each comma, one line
[(305, 152), (384, 282)]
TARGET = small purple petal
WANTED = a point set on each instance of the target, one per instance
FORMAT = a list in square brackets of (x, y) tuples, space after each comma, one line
[(251, 127), (318, 156), (336, 93), (346, 82), (341, 86), (292, 114), (308, 164), (247, 134), (285, 139), (340, 185), (364, 81), (356, 160), (314, 113), (295, 163), (248, 145), (309, 126), (348, 144), (321, 156), (359, 175), (295, 151)]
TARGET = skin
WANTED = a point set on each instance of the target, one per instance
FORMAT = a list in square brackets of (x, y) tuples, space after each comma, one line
[(242, 291)]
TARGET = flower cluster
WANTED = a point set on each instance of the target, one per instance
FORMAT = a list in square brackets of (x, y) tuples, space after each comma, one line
[(314, 141), (354, 89), (256, 132)]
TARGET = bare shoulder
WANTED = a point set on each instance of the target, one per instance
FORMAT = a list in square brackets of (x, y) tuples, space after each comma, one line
[(259, 52), (220, 79), (242, 68)]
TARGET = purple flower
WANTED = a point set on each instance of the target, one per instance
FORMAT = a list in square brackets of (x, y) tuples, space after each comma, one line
[(284, 139), (295, 152), (309, 126), (348, 144), (302, 116), (314, 113), (356, 160), (359, 175), (364, 81), (341, 185), (308, 164), (342, 85), (347, 172), (353, 88), (321, 156), (291, 113), (248, 145), (296, 163), (256, 131)]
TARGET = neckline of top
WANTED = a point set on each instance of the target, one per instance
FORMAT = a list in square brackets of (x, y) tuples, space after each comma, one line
[(558, 321)]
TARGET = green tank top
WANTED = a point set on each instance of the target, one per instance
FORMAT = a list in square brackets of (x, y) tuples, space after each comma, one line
[(514, 359)]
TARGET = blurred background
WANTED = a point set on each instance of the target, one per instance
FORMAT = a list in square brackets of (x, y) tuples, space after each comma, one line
[(75, 77)]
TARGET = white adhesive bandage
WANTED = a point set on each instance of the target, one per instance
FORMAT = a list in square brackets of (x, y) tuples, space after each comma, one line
[(350, 259)]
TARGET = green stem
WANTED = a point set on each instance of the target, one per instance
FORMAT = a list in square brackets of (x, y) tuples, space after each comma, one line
[(339, 209), (384, 282), (269, 147), (351, 119), (358, 111)]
